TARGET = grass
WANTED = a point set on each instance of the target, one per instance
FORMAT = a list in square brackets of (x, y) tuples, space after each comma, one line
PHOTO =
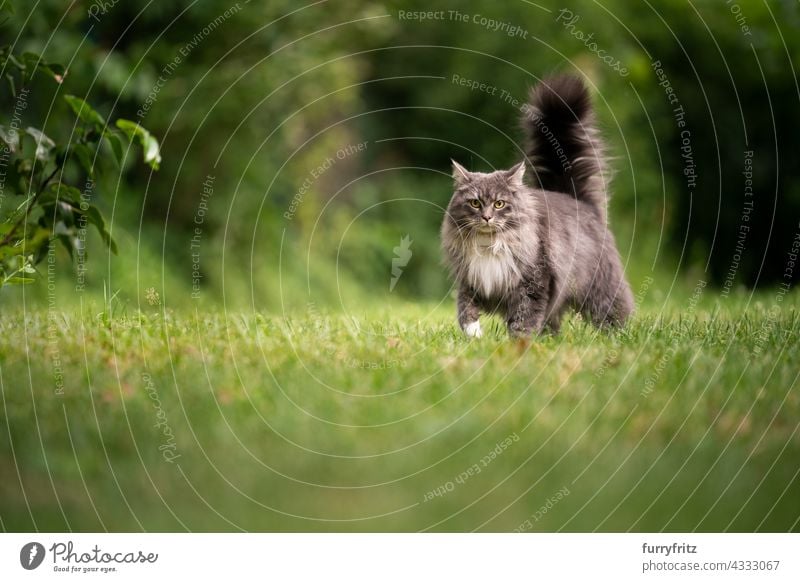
[(389, 419)]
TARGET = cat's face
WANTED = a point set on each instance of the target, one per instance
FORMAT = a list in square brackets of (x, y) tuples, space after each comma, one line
[(487, 204)]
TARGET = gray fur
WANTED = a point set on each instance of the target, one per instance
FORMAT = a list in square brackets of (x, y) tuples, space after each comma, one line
[(543, 251)]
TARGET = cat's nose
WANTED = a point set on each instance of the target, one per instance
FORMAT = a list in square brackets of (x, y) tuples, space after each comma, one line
[(486, 218)]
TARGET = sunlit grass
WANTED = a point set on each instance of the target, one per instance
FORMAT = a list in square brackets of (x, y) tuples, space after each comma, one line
[(376, 420)]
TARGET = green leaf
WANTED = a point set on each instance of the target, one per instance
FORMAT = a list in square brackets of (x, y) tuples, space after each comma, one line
[(44, 145), (34, 62), (24, 166), (10, 251), (61, 191), (11, 82), (18, 281), (84, 155), (66, 241), (37, 236), (94, 216), (10, 137), (85, 112), (15, 61), (116, 145), (152, 153), (31, 61), (58, 72)]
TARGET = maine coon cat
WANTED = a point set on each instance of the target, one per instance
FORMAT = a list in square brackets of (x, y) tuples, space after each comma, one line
[(530, 253)]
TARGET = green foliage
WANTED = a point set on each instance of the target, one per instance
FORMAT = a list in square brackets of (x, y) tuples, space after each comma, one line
[(136, 132), (37, 170), (260, 93), (734, 75)]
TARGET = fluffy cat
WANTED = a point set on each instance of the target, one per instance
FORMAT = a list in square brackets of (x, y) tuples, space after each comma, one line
[(531, 253)]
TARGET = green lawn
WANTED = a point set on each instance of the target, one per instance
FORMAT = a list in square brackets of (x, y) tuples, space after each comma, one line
[(391, 420)]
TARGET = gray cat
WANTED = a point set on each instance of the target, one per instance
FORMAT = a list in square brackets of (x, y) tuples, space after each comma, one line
[(530, 253)]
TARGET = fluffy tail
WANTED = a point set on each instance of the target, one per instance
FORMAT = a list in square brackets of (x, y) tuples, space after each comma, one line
[(563, 144)]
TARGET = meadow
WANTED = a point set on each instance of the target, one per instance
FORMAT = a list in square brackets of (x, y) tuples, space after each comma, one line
[(389, 419)]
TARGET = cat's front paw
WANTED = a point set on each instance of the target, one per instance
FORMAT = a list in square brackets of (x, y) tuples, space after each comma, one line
[(473, 329)]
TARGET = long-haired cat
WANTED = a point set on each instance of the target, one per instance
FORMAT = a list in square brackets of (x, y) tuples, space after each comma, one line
[(530, 253)]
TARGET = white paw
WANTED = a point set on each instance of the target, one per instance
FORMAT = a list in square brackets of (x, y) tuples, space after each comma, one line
[(473, 329)]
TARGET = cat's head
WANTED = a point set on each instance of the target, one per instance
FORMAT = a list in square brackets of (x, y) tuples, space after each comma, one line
[(486, 204)]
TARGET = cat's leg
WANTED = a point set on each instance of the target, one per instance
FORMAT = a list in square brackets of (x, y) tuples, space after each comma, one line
[(554, 323), (469, 312), (555, 311), (527, 309), (607, 312), (610, 301)]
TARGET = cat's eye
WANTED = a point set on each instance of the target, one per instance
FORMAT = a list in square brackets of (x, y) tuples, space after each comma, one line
[(499, 204), (475, 203)]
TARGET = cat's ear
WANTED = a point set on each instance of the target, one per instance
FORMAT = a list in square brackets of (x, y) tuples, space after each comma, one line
[(460, 174), (516, 174)]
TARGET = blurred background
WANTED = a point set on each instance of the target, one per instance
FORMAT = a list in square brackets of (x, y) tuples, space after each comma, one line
[(324, 134)]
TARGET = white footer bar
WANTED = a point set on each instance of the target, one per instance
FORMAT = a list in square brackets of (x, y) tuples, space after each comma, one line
[(401, 557)]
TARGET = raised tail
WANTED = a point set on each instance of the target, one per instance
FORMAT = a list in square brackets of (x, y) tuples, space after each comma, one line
[(563, 145)]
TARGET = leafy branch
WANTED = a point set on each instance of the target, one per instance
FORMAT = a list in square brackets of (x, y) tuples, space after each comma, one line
[(36, 164)]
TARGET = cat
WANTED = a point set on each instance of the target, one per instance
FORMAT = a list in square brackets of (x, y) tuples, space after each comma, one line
[(530, 253)]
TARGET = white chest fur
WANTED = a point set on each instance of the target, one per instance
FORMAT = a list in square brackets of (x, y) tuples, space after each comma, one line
[(491, 267)]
